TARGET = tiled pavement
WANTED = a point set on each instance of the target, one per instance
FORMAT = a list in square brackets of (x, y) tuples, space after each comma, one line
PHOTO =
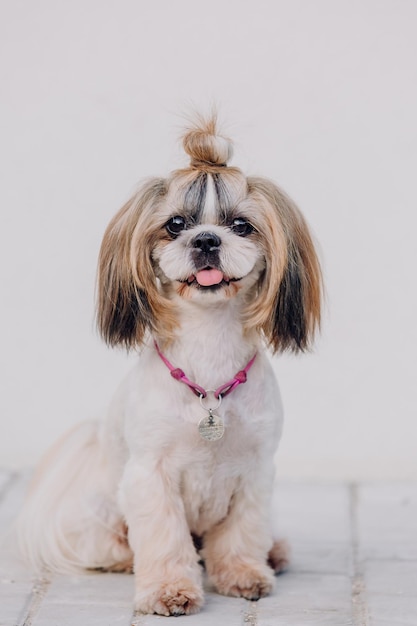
[(354, 562)]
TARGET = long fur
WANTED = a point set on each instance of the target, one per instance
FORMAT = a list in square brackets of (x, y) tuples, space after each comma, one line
[(214, 266)]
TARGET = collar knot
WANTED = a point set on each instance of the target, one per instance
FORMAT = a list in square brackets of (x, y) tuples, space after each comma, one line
[(241, 376), (177, 373)]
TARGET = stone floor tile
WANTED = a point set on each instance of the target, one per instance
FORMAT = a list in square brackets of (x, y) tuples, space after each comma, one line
[(14, 599), (392, 610), (78, 614), (391, 578), (387, 521), (307, 600), (92, 588)]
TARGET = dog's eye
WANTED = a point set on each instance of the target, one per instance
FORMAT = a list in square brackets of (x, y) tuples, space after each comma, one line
[(175, 225), (241, 227)]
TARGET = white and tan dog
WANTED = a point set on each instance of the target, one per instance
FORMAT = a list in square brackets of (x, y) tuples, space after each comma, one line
[(204, 270)]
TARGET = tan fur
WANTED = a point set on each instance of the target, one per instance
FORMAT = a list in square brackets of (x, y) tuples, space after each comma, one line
[(205, 145), (287, 240), (125, 268)]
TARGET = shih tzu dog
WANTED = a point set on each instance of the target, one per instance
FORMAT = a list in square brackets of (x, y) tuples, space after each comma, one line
[(204, 271)]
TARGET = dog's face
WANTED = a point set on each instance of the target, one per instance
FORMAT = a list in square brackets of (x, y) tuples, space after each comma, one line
[(208, 234), (208, 248)]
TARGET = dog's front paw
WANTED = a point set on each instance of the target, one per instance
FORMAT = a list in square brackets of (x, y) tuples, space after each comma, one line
[(182, 597), (247, 580)]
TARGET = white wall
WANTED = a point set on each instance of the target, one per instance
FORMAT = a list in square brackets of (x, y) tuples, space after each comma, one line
[(321, 96)]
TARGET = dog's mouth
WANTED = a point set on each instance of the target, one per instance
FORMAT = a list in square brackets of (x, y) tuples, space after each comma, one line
[(209, 278)]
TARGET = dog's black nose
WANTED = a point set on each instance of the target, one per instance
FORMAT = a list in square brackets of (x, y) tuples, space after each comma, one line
[(207, 241)]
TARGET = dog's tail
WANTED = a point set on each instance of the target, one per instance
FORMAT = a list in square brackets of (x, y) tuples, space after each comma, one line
[(68, 521)]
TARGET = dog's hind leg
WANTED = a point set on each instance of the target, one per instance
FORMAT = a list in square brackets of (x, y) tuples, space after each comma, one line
[(70, 519), (279, 556)]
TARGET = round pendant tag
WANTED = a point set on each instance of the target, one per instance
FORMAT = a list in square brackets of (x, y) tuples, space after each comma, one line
[(211, 427)]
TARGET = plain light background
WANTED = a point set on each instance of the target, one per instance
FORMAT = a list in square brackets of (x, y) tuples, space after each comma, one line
[(319, 95)]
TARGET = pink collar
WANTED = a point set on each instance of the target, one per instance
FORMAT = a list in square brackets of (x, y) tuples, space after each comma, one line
[(221, 391)]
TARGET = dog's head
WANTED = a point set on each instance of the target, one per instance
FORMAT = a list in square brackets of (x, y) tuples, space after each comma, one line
[(208, 235)]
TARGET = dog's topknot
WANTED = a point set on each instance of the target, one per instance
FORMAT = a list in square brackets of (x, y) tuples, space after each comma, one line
[(206, 147)]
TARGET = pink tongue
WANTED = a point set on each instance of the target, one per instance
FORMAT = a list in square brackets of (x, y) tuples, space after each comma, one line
[(205, 278)]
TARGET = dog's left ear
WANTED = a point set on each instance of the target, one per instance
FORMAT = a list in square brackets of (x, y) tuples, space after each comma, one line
[(291, 287), (128, 302)]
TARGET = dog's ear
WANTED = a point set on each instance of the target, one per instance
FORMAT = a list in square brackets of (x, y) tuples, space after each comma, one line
[(290, 290), (127, 294)]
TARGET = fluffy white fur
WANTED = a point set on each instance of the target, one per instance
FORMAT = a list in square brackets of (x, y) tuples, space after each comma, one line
[(131, 490)]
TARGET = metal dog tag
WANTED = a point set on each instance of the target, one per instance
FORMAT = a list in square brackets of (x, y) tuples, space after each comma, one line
[(211, 427)]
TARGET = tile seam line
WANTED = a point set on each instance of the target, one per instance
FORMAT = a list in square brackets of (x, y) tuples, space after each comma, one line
[(39, 591), (250, 615), (360, 612), (137, 619)]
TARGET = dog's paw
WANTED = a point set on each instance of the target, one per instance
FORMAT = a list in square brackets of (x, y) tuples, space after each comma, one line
[(250, 581), (182, 597), (279, 556)]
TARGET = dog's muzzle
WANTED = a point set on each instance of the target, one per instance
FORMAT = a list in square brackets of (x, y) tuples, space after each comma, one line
[(206, 247)]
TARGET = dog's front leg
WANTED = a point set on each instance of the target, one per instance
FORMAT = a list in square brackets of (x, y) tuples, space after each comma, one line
[(167, 573), (236, 550)]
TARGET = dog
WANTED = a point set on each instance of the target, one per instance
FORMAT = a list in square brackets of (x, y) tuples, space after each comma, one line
[(204, 271)]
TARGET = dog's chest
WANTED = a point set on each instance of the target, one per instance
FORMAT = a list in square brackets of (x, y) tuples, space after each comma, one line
[(208, 485), (214, 471), (207, 497)]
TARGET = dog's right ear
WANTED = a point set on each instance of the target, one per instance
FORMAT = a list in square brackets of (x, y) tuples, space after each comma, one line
[(127, 296)]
